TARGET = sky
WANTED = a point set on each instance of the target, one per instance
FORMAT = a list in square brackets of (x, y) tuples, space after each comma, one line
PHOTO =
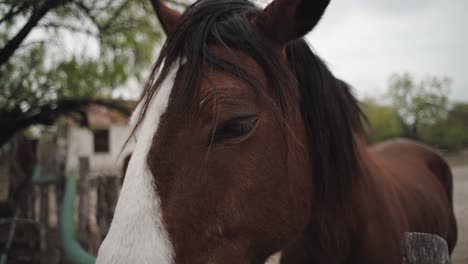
[(365, 41)]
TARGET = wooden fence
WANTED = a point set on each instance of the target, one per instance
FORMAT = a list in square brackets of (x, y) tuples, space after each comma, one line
[(35, 233), (94, 206)]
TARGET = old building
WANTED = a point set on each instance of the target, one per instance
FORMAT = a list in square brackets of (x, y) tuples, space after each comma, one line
[(102, 143)]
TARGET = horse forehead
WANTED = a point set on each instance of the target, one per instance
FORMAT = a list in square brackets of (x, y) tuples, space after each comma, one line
[(225, 84), (240, 59)]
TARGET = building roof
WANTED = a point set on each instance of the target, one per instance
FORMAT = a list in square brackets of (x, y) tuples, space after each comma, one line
[(100, 116)]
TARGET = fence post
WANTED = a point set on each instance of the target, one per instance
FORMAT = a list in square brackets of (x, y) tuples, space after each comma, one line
[(420, 248), (94, 228), (83, 208)]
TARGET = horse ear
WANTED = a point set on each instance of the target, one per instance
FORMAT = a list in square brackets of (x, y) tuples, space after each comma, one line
[(167, 16), (285, 20)]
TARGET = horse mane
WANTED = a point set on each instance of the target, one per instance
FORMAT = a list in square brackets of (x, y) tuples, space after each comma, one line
[(333, 119), (335, 127), (331, 114)]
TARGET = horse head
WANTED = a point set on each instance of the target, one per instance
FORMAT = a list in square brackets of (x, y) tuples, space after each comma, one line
[(236, 109)]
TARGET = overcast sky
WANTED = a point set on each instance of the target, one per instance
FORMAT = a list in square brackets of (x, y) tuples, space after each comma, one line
[(365, 41)]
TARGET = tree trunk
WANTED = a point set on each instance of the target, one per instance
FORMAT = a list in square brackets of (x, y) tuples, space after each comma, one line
[(7, 132)]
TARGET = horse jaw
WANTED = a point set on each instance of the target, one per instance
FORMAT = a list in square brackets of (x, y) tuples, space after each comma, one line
[(137, 233)]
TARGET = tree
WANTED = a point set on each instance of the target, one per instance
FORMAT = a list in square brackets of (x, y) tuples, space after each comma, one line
[(450, 133), (459, 113), (419, 103), (383, 121), (40, 82)]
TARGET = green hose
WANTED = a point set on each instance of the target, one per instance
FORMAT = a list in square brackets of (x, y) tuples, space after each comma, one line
[(37, 179), (71, 246)]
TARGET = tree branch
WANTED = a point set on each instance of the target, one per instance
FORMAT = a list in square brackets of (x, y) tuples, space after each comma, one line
[(71, 28), (86, 10), (37, 14), (114, 16), (47, 114), (12, 12)]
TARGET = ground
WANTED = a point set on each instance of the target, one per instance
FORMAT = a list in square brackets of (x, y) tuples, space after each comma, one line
[(459, 164)]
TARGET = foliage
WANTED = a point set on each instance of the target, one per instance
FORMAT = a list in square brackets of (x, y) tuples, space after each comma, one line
[(36, 69), (450, 133), (383, 121), (459, 113), (418, 103), (39, 71)]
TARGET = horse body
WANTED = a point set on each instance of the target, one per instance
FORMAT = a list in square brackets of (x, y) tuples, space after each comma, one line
[(248, 145), (407, 188), (423, 187)]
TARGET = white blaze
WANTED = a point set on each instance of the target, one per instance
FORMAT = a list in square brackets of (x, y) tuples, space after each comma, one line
[(137, 233), (274, 259)]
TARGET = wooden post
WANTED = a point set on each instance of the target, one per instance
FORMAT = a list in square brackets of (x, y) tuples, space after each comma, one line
[(420, 248), (94, 229), (43, 219), (83, 198), (43, 149), (108, 194)]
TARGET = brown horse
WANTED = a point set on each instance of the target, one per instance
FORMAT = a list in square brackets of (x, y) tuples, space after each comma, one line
[(247, 145)]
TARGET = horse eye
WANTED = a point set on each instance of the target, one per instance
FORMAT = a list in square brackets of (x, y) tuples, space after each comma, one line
[(236, 129)]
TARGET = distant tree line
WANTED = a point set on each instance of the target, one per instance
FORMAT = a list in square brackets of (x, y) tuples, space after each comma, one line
[(418, 110)]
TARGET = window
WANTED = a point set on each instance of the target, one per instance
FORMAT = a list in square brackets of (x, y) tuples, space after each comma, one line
[(101, 141)]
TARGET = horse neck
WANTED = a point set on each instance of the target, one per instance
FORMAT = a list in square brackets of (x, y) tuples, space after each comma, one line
[(335, 223), (372, 193)]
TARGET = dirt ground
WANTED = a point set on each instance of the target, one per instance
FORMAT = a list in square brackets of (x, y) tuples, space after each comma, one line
[(459, 164)]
